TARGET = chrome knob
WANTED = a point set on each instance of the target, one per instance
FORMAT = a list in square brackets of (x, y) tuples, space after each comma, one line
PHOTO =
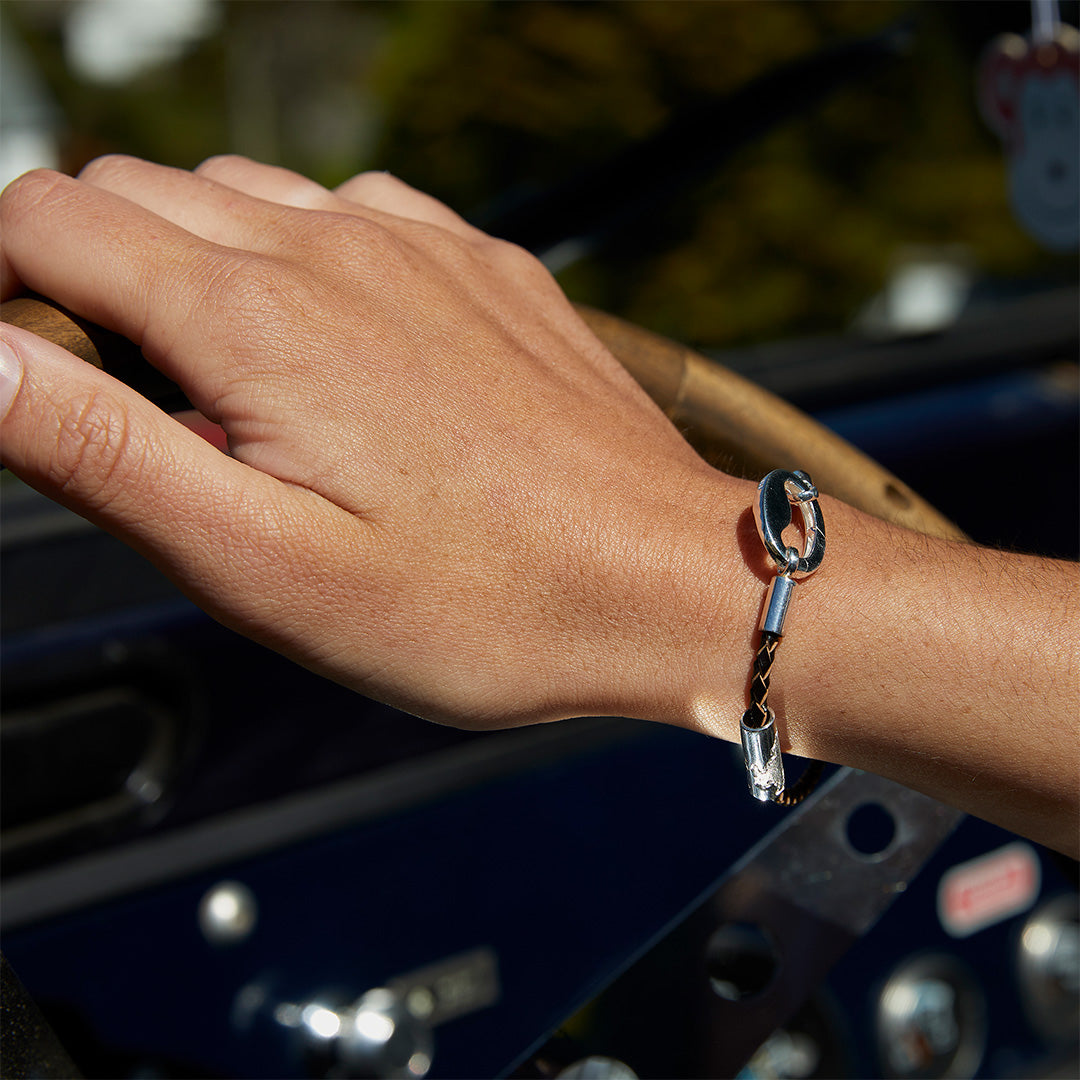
[(1049, 963), (380, 1036), (930, 1020)]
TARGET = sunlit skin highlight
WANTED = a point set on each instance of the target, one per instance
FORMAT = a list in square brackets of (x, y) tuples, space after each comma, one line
[(444, 492)]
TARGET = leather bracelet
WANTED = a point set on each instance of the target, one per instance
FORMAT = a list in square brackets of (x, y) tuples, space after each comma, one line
[(778, 493)]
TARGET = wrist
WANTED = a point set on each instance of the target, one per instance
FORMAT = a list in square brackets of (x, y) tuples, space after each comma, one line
[(699, 578)]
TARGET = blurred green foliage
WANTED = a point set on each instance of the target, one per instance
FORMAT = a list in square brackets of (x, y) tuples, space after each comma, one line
[(470, 100)]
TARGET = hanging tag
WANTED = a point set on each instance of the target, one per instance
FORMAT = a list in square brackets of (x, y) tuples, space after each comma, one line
[(1029, 93)]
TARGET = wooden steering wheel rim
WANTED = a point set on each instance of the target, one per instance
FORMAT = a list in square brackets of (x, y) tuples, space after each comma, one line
[(734, 424), (747, 431)]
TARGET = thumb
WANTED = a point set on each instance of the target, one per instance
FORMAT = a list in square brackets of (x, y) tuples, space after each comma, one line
[(91, 443), (87, 440), (11, 374)]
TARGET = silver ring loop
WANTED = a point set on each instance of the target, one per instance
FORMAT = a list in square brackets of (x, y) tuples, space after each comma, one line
[(792, 562), (778, 492)]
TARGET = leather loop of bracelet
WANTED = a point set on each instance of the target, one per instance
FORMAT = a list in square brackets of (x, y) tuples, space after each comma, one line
[(777, 494)]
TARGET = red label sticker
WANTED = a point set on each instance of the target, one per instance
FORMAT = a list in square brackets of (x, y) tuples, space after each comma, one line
[(984, 891)]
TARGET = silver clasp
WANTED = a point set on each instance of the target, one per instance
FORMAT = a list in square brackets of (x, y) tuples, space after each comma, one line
[(778, 492), (761, 755)]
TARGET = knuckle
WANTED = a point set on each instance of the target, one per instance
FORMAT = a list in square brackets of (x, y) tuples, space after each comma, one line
[(220, 164), (29, 190), (109, 165), (255, 296), (513, 259), (371, 185), (94, 458), (349, 242), (349, 229), (242, 283)]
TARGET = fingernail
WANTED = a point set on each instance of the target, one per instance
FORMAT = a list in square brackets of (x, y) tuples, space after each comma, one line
[(11, 375)]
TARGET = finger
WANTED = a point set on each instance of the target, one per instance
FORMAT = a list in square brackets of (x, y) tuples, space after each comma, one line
[(197, 203), (247, 216), (378, 191), (89, 441), (124, 267), (74, 243), (269, 182), (9, 281), (241, 220), (227, 534), (389, 195)]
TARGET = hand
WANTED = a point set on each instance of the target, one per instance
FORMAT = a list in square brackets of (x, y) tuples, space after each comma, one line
[(442, 490)]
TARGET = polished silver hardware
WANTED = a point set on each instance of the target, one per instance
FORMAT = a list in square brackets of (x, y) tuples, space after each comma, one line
[(378, 1035), (761, 753), (788, 1054), (228, 913), (386, 1033), (777, 601), (381, 1036), (1049, 968), (778, 492), (930, 1020)]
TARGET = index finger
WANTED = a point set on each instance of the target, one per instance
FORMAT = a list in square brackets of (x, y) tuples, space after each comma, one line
[(119, 265)]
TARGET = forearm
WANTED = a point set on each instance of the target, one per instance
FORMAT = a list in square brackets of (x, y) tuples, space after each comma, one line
[(518, 536), (947, 667)]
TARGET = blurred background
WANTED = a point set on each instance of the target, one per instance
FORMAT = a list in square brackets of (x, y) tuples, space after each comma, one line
[(805, 192), (683, 165), (485, 103)]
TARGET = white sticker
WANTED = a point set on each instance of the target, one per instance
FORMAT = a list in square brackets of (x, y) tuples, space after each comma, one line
[(986, 890)]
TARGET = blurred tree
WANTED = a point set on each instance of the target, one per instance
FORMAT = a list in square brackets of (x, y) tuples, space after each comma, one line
[(472, 100), (798, 231)]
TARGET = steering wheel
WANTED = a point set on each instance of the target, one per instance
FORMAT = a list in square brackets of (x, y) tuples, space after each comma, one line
[(734, 424)]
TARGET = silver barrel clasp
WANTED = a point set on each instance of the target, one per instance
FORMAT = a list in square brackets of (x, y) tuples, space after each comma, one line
[(778, 493), (761, 753)]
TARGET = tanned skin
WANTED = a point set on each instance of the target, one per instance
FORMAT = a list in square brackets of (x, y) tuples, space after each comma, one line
[(444, 492)]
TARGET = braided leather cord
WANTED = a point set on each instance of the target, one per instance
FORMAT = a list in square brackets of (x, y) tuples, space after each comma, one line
[(759, 681), (759, 707), (795, 793)]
